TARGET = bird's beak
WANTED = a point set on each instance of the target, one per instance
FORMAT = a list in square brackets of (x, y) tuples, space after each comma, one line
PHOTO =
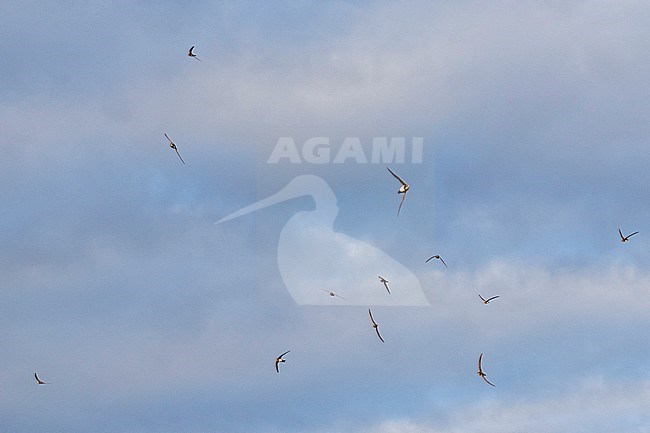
[(293, 189)]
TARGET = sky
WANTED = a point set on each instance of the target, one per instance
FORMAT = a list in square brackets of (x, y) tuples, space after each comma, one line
[(118, 287)]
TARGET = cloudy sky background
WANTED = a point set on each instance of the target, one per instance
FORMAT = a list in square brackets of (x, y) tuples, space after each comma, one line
[(119, 289)]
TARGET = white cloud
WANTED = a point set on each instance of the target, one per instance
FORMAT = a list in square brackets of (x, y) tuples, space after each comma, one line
[(593, 405)]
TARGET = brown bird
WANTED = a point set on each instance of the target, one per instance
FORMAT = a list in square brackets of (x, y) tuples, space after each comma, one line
[(486, 301), (437, 257), (173, 146), (374, 325), (626, 238), (279, 359), (191, 54), (385, 281), (332, 294), (39, 381), (402, 190), (480, 371)]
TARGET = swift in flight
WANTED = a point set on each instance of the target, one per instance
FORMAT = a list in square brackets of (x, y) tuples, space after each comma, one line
[(486, 301), (173, 146), (480, 371), (402, 189), (437, 257), (626, 238), (279, 359), (374, 325)]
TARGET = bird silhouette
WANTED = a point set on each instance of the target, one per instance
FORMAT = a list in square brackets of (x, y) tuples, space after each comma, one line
[(374, 325), (39, 381), (332, 294), (191, 54), (279, 359), (437, 257), (626, 238), (402, 190), (385, 281), (487, 301), (173, 146), (480, 371)]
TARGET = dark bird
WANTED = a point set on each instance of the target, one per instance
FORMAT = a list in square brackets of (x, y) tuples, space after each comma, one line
[(486, 301), (385, 281), (402, 190), (374, 325), (39, 381), (279, 359), (480, 370), (437, 257), (332, 294), (173, 146), (626, 238), (191, 54)]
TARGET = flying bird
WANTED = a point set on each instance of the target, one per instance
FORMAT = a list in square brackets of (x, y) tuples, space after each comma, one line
[(626, 238), (486, 301), (402, 190), (279, 359), (173, 146), (332, 294), (39, 381), (385, 281), (191, 54), (437, 257), (374, 325), (480, 370)]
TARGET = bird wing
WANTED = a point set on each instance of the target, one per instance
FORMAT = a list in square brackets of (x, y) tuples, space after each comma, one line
[(371, 319), (443, 262), (487, 381), (386, 285), (179, 155), (400, 203), (493, 297), (482, 299), (429, 259), (170, 140), (480, 357), (620, 233), (397, 177), (632, 234), (280, 357), (379, 335), (190, 52), (37, 379), (277, 361)]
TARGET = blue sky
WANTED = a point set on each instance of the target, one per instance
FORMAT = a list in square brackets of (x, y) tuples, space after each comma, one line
[(119, 289)]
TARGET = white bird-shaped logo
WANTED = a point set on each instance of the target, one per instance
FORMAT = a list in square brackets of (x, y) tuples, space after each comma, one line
[(308, 240)]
